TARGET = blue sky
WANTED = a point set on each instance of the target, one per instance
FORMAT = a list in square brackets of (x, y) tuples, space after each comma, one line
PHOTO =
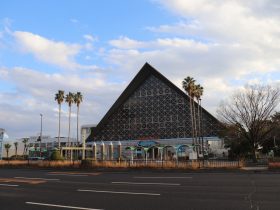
[(70, 20), (97, 47)]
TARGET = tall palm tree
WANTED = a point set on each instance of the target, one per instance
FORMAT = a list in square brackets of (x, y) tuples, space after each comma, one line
[(78, 99), (194, 113), (16, 148), (197, 94), (188, 85), (25, 141), (7, 147), (59, 97), (70, 100)]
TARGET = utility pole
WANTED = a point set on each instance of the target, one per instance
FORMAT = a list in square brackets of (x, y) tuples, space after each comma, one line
[(41, 135)]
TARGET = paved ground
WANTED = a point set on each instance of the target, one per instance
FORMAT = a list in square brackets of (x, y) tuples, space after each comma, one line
[(61, 189)]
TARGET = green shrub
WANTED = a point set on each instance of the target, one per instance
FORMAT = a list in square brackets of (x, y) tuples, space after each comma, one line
[(56, 155)]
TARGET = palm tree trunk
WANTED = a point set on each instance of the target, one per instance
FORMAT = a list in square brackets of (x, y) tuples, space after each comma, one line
[(191, 120), (78, 110), (69, 127), (194, 120), (199, 127), (59, 113)]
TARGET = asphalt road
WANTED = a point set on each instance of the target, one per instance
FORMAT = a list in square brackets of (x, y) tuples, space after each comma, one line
[(22, 189)]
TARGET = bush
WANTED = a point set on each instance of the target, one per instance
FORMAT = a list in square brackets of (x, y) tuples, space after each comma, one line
[(19, 157), (56, 155), (86, 163)]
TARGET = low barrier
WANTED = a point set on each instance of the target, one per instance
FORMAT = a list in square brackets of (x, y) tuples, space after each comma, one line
[(194, 164), (40, 163), (274, 163)]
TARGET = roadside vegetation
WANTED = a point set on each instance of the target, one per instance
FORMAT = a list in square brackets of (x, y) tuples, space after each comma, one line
[(251, 121)]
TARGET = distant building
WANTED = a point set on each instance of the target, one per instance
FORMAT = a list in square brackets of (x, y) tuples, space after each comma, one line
[(47, 144), (86, 131), (153, 109)]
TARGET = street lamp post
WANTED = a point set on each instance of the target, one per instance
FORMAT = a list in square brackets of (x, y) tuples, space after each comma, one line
[(41, 134), (202, 133)]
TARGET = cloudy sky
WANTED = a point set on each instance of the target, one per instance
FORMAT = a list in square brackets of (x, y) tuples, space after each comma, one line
[(97, 47)]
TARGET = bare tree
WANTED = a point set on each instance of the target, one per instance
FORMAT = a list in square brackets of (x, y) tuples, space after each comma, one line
[(250, 110)]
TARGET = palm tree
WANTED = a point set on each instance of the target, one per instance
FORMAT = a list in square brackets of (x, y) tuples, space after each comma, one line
[(59, 97), (78, 98), (197, 94), (70, 100), (188, 85), (25, 141), (194, 112), (16, 148), (7, 147)]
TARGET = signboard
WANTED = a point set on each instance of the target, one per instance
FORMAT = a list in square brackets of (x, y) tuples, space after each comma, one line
[(147, 143)]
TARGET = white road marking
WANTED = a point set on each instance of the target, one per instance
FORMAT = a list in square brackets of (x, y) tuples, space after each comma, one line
[(19, 177), (162, 177), (118, 192), (60, 206), (147, 183), (9, 185), (67, 175)]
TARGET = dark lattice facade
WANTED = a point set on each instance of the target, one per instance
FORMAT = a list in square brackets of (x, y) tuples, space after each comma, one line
[(153, 108)]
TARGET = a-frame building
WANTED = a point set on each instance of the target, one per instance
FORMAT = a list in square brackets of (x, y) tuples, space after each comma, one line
[(151, 107)]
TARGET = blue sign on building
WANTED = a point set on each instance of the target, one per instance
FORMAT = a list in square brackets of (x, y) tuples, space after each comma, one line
[(148, 143)]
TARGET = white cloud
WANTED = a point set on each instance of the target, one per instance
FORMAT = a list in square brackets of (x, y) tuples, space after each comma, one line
[(180, 28), (57, 53), (52, 52), (90, 38), (73, 20), (227, 21), (34, 94), (223, 44), (124, 42)]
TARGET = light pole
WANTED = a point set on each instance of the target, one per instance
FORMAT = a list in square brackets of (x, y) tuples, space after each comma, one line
[(41, 134), (201, 129)]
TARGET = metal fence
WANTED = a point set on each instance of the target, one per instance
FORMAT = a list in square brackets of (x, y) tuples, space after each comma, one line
[(170, 164), (194, 164)]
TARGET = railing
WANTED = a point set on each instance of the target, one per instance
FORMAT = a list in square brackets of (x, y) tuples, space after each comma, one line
[(136, 163), (261, 162), (194, 164)]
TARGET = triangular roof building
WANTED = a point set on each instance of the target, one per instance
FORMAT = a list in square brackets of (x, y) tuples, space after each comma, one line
[(151, 107)]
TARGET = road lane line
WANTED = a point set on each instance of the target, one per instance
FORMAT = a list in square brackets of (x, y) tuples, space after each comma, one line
[(9, 180), (9, 185), (159, 177), (60, 206), (67, 174), (118, 192), (74, 173), (147, 183), (29, 178)]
